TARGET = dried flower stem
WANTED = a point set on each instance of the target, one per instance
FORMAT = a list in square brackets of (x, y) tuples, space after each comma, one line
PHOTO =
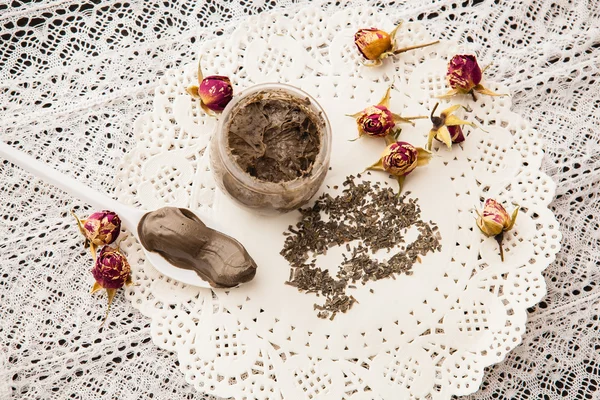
[(499, 238), (418, 46)]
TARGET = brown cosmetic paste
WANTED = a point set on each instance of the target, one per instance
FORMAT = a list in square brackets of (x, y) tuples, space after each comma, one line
[(275, 139), (179, 236)]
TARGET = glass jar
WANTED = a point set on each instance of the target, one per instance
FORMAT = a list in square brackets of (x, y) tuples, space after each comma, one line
[(268, 197)]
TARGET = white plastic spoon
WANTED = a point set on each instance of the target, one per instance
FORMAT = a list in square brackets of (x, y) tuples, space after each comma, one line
[(130, 216)]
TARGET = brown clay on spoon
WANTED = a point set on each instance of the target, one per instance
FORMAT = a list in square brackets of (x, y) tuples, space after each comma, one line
[(179, 236)]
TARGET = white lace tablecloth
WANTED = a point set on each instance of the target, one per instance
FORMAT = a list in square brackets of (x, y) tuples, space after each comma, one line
[(75, 76)]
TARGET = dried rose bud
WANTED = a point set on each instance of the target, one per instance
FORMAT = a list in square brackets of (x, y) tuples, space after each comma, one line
[(400, 159), (443, 124), (99, 229), (375, 45), (494, 221), (464, 77), (463, 72), (378, 120), (372, 43), (214, 92), (456, 134), (111, 272)]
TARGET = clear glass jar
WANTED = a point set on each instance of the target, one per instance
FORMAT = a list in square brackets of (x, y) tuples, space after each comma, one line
[(265, 196)]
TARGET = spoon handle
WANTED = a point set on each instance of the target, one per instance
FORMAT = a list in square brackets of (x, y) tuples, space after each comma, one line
[(98, 200)]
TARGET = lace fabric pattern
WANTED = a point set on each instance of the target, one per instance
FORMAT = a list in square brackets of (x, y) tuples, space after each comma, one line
[(83, 118)]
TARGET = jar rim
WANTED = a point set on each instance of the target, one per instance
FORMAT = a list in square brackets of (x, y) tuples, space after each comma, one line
[(266, 187)]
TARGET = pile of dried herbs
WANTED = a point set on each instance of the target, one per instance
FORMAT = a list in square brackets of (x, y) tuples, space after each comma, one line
[(373, 216)]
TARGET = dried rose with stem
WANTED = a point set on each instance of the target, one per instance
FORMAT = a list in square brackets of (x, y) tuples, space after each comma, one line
[(111, 271), (375, 45), (378, 120), (443, 123), (400, 159), (214, 91), (99, 229), (494, 221), (464, 77)]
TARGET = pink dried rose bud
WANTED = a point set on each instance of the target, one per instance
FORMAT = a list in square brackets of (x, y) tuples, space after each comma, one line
[(214, 91), (375, 45), (111, 272), (378, 120), (456, 134), (446, 127), (463, 72), (99, 229), (400, 159), (494, 221), (464, 77)]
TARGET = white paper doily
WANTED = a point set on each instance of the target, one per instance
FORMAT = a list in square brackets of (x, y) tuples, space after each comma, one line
[(261, 341)]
